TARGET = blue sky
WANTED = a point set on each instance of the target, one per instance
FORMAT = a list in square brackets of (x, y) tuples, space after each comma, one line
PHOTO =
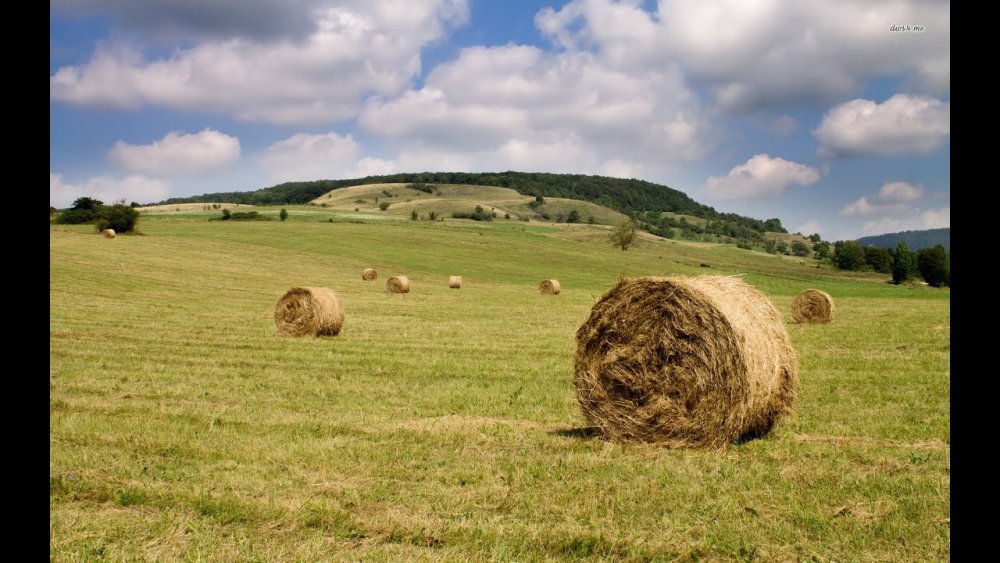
[(818, 113)]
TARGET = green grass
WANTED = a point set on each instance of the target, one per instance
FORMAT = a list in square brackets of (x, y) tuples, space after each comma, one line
[(442, 424)]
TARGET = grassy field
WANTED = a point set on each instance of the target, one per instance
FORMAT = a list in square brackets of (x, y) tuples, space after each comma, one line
[(442, 424)]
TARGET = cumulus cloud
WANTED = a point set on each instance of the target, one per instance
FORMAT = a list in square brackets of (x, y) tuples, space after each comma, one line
[(901, 125), (356, 49), (312, 157), (809, 227), (178, 154), (526, 106), (892, 197), (754, 55), (107, 189), (929, 219), (760, 176)]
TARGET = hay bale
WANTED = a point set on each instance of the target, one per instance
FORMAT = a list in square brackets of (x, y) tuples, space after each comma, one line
[(684, 361), (398, 284), (369, 274), (812, 306), (550, 287), (455, 282), (108, 233), (303, 311)]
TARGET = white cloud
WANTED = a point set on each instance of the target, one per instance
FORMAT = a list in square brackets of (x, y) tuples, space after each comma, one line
[(901, 125), (760, 176), (357, 49), (893, 197), (770, 54), (311, 157), (900, 192), (107, 189), (930, 219), (178, 154), (525, 106), (809, 227)]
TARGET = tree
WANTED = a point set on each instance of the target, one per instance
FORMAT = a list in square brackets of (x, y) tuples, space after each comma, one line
[(815, 238), (384, 205), (880, 259), (226, 214), (87, 203), (904, 263), (934, 265), (414, 215), (849, 255), (800, 248), (823, 250), (119, 217), (574, 217), (623, 235), (781, 248), (283, 214)]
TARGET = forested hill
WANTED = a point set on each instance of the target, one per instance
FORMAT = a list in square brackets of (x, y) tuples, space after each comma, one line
[(915, 240), (638, 198)]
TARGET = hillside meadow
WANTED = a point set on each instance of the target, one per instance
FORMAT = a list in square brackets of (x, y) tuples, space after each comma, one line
[(442, 424)]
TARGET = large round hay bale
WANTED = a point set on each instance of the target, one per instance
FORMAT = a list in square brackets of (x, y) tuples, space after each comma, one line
[(812, 306), (108, 233), (550, 287), (302, 311), (455, 282), (369, 274), (398, 284), (684, 361)]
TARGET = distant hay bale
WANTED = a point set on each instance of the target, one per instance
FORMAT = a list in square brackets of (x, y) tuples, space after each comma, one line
[(108, 233), (398, 284), (550, 287), (812, 306), (303, 311), (369, 274), (684, 361), (455, 282)]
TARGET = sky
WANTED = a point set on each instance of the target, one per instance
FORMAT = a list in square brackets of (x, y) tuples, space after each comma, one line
[(832, 115)]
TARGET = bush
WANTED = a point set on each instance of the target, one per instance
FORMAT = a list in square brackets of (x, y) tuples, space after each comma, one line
[(414, 215), (284, 213), (506, 216), (119, 217), (426, 188), (84, 210), (849, 255), (384, 205), (800, 248), (573, 217), (934, 265), (432, 215), (226, 215), (623, 235), (591, 220)]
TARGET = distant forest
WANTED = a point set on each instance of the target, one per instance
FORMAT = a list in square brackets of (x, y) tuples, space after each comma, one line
[(641, 200), (915, 240)]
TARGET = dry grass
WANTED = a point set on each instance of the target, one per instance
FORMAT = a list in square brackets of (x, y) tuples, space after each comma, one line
[(304, 311), (813, 306), (684, 361)]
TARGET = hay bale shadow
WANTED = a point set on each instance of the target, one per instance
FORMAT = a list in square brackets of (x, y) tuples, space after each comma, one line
[(582, 433)]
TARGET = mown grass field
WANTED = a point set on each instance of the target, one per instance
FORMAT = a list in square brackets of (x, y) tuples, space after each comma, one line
[(442, 424)]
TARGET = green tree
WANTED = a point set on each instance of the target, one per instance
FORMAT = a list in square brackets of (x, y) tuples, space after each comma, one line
[(934, 265), (880, 259), (815, 238), (283, 214), (623, 235), (781, 248), (800, 248), (849, 255), (573, 217), (226, 214), (823, 250), (384, 205), (87, 203), (904, 263), (84, 210), (119, 217)]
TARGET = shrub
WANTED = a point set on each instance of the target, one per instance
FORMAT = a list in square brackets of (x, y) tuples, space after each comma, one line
[(573, 217), (432, 215), (506, 215), (226, 215), (413, 215), (284, 213), (119, 217), (426, 188), (384, 205)]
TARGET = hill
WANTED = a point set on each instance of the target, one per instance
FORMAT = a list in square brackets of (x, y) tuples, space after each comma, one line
[(916, 240), (647, 202)]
